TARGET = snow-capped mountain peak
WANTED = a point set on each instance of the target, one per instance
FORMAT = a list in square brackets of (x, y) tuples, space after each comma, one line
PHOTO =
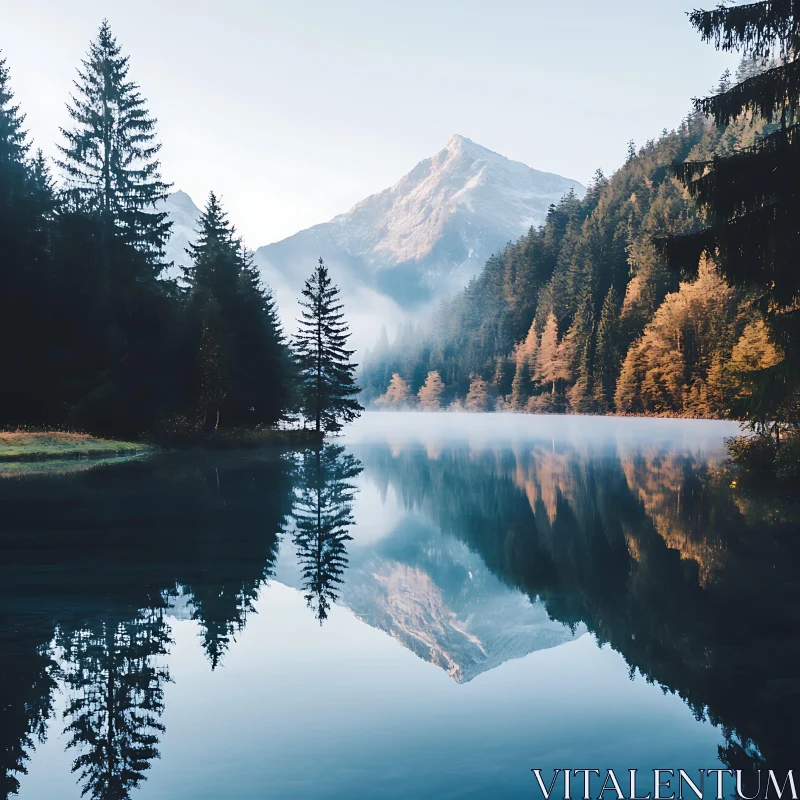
[(432, 230)]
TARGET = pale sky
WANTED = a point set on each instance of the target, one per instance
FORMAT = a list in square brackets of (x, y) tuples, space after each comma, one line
[(294, 111)]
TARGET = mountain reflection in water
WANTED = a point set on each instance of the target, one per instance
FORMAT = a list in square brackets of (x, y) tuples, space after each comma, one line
[(468, 550)]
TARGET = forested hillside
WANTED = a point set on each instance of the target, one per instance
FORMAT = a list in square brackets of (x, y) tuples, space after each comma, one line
[(583, 315)]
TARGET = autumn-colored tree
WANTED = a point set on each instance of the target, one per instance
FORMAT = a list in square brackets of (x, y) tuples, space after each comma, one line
[(755, 351), (478, 395), (549, 367), (430, 393), (397, 395), (666, 370)]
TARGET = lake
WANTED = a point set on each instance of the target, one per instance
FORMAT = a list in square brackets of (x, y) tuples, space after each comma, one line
[(429, 607)]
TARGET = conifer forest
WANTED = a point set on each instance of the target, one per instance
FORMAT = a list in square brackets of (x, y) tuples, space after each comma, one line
[(670, 289), (454, 485), (97, 335)]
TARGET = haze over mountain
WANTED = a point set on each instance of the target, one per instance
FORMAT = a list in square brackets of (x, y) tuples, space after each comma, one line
[(431, 231), (406, 246)]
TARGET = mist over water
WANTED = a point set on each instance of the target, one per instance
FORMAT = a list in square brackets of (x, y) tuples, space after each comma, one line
[(430, 606)]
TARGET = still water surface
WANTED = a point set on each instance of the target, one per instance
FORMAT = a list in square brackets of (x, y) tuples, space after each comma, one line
[(428, 608)]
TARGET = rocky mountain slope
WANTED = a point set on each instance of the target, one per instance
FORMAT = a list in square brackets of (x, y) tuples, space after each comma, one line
[(430, 232)]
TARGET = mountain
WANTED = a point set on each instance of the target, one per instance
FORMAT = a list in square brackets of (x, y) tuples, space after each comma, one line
[(429, 233), (184, 215), (406, 246), (437, 598)]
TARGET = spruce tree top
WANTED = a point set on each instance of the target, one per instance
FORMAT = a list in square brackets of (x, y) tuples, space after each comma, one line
[(326, 374), (216, 252), (110, 154), (751, 199), (13, 139)]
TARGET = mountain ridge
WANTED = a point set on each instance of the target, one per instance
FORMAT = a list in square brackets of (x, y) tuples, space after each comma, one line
[(430, 231), (403, 248)]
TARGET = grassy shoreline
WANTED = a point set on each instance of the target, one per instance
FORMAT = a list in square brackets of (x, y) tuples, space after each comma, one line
[(16, 446), (40, 446)]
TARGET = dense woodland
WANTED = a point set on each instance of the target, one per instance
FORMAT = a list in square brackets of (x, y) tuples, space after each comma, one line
[(669, 289), (94, 335), (584, 315)]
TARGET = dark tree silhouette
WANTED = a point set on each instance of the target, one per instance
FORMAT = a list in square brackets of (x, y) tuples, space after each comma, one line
[(327, 386), (27, 683), (115, 680), (110, 156), (322, 517), (236, 346), (26, 207), (751, 198)]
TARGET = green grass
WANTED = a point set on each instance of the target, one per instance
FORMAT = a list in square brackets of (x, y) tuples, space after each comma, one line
[(50, 467), (30, 446)]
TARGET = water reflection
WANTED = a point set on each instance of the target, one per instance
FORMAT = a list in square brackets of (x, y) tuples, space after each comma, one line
[(649, 549), (115, 684), (322, 517), (88, 577), (487, 552)]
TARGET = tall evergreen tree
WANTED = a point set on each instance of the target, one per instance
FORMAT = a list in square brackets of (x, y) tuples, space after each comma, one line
[(607, 358), (521, 385), (110, 155), (116, 317), (751, 198), (116, 699), (26, 206), (14, 146), (323, 517), (326, 380), (235, 345)]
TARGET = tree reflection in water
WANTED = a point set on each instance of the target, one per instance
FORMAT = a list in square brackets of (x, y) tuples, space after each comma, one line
[(693, 583), (323, 516)]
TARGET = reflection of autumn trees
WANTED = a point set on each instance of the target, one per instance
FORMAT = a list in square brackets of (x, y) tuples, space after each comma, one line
[(652, 551)]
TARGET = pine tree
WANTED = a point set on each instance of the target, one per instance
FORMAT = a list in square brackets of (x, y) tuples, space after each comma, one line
[(549, 368), (607, 353), (751, 198), (430, 393), (478, 395), (323, 517), (521, 385), (14, 145), (110, 156), (235, 340), (398, 394), (117, 319), (26, 333), (323, 360)]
